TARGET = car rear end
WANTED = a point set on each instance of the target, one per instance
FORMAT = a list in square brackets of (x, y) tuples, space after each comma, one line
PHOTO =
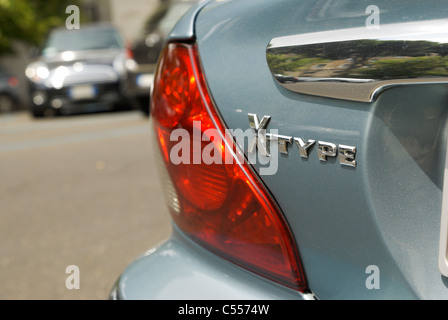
[(279, 192)]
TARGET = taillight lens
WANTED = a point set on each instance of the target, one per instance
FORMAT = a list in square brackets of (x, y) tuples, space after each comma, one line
[(220, 205), (13, 82), (128, 51)]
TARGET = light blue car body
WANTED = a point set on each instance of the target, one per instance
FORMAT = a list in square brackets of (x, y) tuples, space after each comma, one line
[(384, 213)]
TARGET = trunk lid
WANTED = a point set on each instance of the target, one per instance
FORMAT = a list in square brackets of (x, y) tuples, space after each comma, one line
[(383, 215)]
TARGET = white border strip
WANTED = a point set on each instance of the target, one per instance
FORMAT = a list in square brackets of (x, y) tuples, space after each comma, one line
[(443, 246)]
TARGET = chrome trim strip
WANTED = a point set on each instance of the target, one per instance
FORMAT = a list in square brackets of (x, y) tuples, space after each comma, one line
[(359, 64)]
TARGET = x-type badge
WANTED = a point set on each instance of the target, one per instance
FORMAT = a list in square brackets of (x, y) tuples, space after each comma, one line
[(325, 150)]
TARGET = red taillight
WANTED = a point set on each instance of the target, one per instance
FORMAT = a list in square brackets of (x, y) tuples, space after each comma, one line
[(13, 82), (220, 205), (128, 51)]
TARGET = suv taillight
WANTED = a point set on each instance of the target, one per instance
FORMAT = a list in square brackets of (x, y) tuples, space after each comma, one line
[(220, 205), (13, 81)]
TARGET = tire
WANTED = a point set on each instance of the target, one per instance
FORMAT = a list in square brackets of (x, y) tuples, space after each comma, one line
[(37, 113), (42, 112), (6, 103), (144, 104), (50, 112)]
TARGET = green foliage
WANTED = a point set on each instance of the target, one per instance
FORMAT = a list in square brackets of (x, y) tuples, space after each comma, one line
[(293, 63), (412, 67), (29, 20), (363, 59)]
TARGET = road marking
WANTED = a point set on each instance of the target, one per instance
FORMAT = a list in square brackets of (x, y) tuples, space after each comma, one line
[(8, 118), (64, 123), (74, 138)]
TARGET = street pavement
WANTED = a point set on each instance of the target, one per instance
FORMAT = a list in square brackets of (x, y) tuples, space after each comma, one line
[(76, 190)]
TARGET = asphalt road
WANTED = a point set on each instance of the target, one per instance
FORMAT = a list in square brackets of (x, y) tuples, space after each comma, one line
[(77, 190)]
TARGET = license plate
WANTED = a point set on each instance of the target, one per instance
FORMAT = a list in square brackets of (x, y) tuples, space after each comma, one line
[(145, 80), (83, 92)]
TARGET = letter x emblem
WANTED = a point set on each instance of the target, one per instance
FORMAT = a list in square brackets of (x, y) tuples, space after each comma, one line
[(259, 130)]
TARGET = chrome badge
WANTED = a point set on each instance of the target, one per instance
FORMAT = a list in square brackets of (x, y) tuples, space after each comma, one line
[(325, 150)]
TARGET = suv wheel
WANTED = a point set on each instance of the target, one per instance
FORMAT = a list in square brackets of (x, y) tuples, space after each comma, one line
[(6, 103)]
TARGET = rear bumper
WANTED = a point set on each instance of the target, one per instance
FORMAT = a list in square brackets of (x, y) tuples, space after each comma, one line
[(179, 269)]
